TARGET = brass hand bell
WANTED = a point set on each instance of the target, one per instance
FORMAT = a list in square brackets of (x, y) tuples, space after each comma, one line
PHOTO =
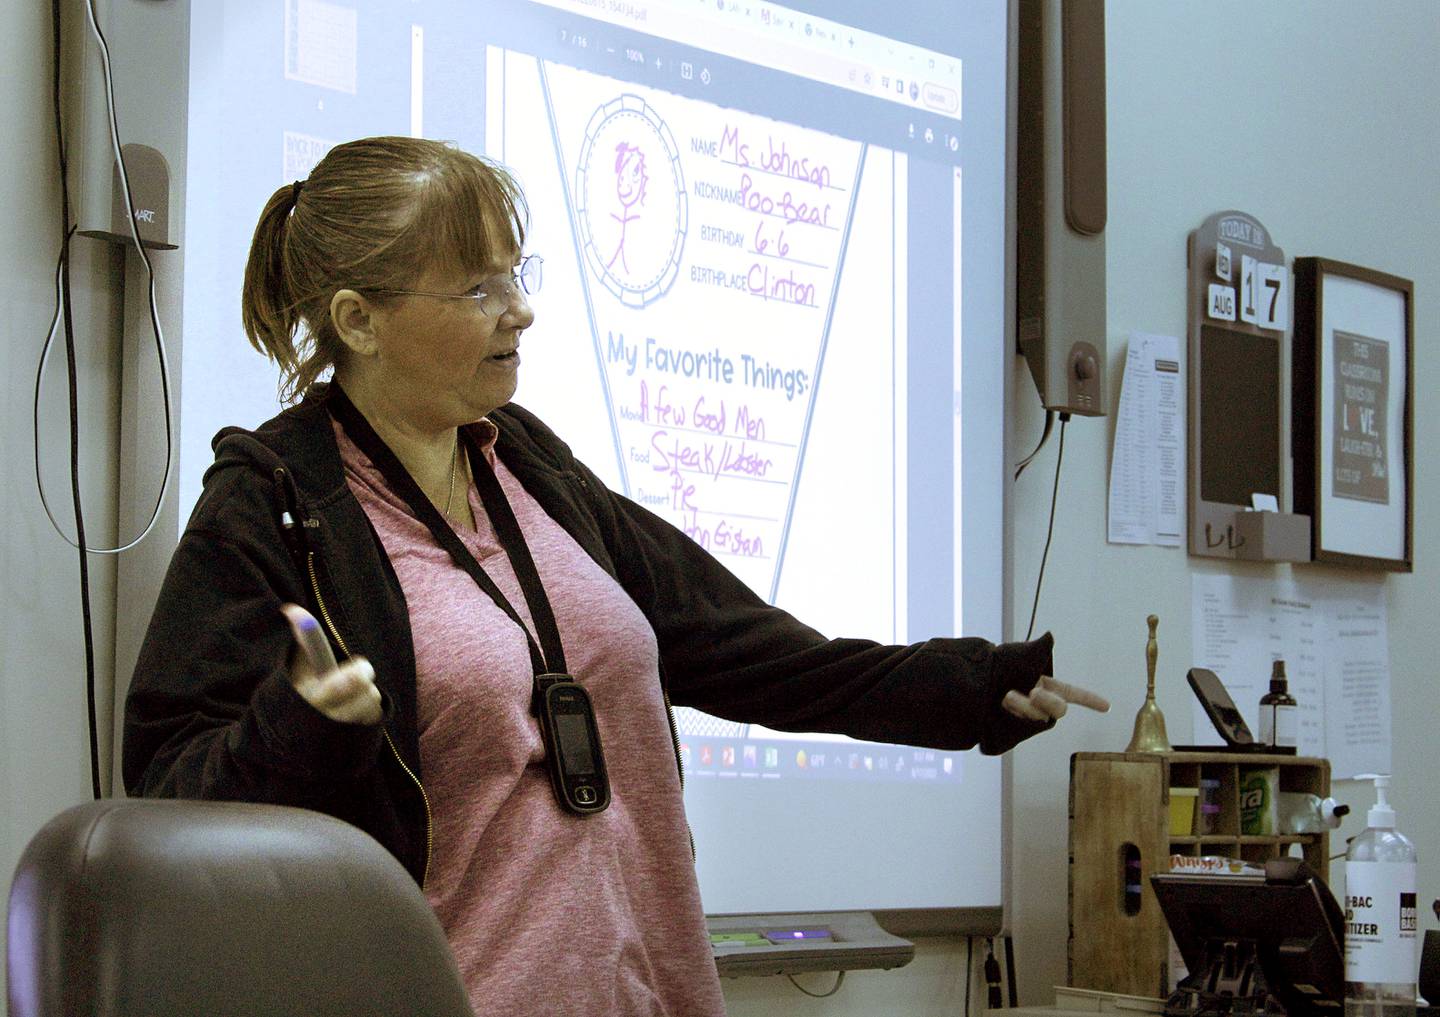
[(1149, 733)]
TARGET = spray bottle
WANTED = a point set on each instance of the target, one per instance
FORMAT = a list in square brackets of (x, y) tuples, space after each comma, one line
[(1279, 714), (1380, 916)]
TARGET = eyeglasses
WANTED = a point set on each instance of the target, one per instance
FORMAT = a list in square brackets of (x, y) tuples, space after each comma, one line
[(495, 294)]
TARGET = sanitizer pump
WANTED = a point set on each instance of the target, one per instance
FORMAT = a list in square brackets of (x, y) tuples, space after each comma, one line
[(1380, 916)]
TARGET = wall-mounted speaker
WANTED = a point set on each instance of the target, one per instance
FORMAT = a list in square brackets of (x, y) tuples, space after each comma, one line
[(132, 30), (1061, 202)]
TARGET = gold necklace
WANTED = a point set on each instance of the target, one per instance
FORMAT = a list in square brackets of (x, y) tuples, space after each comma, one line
[(454, 464)]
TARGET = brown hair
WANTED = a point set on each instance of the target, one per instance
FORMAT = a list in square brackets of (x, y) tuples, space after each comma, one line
[(374, 214)]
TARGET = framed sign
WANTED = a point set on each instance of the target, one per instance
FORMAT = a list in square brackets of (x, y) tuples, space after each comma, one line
[(1353, 406)]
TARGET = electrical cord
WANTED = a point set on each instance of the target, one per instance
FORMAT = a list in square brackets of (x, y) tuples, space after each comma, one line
[(992, 976), (1044, 437), (63, 311), (969, 969), (64, 317), (1050, 529), (1009, 942), (63, 296), (839, 980)]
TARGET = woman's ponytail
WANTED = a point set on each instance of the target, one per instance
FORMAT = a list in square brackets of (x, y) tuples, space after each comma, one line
[(268, 304)]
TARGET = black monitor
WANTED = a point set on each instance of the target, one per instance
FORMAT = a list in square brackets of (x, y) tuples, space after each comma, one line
[(1263, 945)]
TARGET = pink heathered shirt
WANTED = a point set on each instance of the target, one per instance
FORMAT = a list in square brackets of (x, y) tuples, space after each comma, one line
[(547, 913)]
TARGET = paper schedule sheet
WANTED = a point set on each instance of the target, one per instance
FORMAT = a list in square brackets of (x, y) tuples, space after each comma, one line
[(1334, 640), (1147, 469)]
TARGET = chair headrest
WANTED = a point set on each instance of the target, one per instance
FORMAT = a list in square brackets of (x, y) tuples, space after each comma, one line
[(223, 907)]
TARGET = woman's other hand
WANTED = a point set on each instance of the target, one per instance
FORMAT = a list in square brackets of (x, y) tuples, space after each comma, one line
[(344, 692)]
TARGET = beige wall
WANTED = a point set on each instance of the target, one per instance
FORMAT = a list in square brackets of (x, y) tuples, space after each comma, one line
[(44, 744), (1322, 119)]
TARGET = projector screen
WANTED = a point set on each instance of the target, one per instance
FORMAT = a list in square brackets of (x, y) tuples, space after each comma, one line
[(774, 313)]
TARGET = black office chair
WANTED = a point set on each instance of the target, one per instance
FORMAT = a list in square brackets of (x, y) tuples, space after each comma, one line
[(140, 907)]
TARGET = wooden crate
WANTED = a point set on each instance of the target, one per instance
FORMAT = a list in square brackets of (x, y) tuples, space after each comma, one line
[(1120, 836)]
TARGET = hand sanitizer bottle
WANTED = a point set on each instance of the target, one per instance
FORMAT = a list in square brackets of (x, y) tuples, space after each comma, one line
[(1380, 916)]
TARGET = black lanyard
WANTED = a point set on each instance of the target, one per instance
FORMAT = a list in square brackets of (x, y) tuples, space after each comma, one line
[(502, 517)]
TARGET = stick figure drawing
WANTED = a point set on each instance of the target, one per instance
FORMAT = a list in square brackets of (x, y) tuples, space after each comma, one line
[(630, 180)]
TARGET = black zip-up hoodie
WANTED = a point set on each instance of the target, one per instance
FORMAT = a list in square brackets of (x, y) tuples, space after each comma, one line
[(211, 712)]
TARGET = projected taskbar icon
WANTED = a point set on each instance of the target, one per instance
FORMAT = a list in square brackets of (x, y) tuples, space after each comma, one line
[(737, 759)]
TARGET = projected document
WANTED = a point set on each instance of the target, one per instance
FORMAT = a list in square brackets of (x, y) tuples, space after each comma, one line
[(708, 248), (770, 241)]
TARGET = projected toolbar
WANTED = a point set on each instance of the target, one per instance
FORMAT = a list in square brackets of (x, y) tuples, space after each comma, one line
[(809, 47)]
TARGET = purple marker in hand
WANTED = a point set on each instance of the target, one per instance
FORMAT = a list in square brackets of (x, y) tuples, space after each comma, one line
[(311, 639)]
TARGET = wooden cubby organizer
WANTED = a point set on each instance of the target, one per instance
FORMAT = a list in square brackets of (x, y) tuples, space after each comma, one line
[(1120, 822)]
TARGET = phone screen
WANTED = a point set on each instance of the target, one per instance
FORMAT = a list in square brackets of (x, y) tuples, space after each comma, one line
[(1221, 708), (574, 736)]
